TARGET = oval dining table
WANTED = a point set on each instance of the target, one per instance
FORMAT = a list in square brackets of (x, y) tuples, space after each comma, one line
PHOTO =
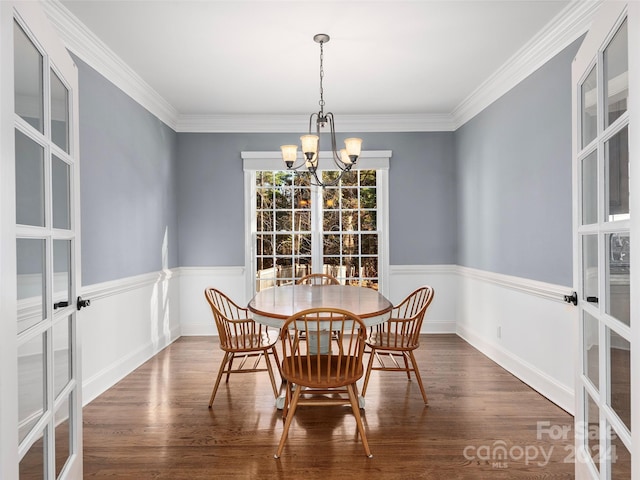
[(274, 305)]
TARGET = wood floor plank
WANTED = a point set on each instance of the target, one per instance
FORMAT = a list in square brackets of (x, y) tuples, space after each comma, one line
[(155, 424)]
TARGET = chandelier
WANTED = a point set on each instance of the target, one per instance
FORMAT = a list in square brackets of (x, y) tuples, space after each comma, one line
[(310, 143)]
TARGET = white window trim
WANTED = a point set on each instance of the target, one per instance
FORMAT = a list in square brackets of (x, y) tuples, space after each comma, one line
[(369, 160)]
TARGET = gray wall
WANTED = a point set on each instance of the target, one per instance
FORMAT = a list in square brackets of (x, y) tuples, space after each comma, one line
[(495, 195), (422, 195), (128, 175), (514, 179)]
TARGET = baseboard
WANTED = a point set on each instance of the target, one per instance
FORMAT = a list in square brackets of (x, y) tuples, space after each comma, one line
[(559, 394), (112, 374)]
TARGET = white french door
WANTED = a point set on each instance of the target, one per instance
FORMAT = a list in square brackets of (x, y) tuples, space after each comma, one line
[(605, 87), (40, 394)]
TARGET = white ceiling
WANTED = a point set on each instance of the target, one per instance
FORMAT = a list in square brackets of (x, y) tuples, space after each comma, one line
[(245, 57)]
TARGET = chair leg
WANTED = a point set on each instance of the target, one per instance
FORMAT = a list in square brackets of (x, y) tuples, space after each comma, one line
[(220, 372), (417, 372), (277, 358), (369, 366), (406, 365), (287, 422), (231, 356), (356, 413), (270, 370)]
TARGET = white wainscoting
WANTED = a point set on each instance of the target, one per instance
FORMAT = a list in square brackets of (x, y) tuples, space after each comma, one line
[(128, 322), (195, 314), (522, 325)]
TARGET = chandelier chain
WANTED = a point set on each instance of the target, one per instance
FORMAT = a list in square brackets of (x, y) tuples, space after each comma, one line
[(321, 102)]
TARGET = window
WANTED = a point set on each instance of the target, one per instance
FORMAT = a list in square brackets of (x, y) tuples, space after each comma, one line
[(295, 228)]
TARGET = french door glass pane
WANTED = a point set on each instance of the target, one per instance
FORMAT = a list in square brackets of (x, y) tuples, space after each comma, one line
[(63, 434), (29, 93), (32, 465), (61, 273), (616, 68), (620, 458), (60, 188), (61, 354), (31, 383), (619, 376), (617, 162), (591, 348), (590, 188), (592, 425), (590, 268), (589, 97), (618, 302), (59, 113), (30, 263), (29, 181)]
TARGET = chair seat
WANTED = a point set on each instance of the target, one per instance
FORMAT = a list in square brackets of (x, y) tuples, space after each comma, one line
[(239, 343), (391, 341), (304, 370)]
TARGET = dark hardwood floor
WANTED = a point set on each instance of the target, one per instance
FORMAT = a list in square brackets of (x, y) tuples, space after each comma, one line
[(481, 422)]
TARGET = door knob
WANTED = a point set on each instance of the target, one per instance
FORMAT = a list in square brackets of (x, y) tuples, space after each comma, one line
[(82, 303)]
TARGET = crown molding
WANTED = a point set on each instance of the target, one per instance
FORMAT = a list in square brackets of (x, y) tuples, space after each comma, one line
[(566, 27), (88, 47), (299, 123)]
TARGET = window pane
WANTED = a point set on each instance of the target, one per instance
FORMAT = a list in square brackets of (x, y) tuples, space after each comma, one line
[(618, 302), (620, 459), (264, 221), (31, 383), (264, 198), (349, 220), (302, 221), (592, 426), (61, 354), (368, 220), (590, 189), (303, 244), (588, 93), (29, 96), (60, 189), (331, 198), (331, 221), (62, 273), (63, 434), (32, 465), (619, 376), (368, 198), (264, 244), (283, 221), (590, 268), (349, 198), (617, 164), (591, 348), (369, 244), (59, 113), (29, 181), (616, 71), (368, 178), (283, 244), (30, 264)]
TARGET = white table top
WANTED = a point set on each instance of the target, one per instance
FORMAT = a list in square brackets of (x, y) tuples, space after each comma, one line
[(274, 305)]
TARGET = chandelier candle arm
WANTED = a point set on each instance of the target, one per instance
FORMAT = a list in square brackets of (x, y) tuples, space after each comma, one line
[(344, 159)]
